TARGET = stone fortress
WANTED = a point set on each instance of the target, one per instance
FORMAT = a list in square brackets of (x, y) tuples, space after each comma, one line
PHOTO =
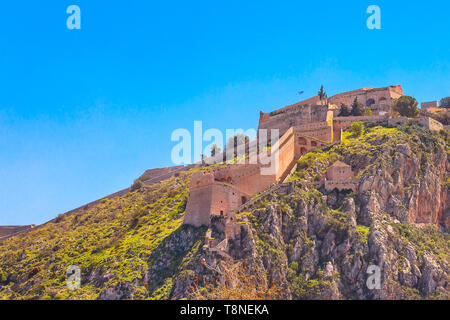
[(219, 193), (303, 126)]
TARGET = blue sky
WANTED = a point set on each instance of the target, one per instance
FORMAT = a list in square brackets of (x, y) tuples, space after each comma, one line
[(85, 112)]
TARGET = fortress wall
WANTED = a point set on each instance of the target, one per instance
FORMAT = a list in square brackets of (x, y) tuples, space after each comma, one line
[(200, 198), (284, 149), (349, 120), (240, 171), (349, 98), (305, 144), (170, 173), (283, 119), (344, 122), (11, 230), (201, 179), (311, 126), (213, 199), (153, 173), (225, 198), (302, 128), (208, 196), (314, 135), (323, 133), (232, 230), (341, 185), (311, 101), (245, 178), (250, 180), (429, 105), (339, 173), (198, 206), (381, 98), (432, 110), (286, 154), (224, 174), (398, 121), (430, 124), (425, 122), (305, 112), (232, 173), (166, 173)]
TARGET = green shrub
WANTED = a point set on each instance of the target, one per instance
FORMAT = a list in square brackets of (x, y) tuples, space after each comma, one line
[(406, 106), (2, 276), (357, 128), (363, 232), (136, 185)]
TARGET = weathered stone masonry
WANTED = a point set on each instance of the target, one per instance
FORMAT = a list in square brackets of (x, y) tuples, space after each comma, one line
[(303, 127)]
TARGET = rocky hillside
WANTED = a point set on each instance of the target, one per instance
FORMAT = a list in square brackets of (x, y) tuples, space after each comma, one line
[(306, 243), (297, 242), (111, 243)]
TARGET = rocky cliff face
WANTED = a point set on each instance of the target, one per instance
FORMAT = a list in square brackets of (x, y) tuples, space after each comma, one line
[(407, 179), (390, 240), (318, 245)]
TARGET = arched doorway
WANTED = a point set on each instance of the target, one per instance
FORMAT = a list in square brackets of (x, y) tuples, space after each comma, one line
[(302, 141), (370, 102)]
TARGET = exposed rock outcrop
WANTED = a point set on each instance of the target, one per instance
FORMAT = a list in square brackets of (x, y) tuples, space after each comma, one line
[(332, 245)]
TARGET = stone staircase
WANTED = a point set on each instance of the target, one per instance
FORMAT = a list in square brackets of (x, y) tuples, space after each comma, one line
[(259, 196)]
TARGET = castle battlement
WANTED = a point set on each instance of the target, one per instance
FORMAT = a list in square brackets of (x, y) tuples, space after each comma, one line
[(303, 126), (215, 196)]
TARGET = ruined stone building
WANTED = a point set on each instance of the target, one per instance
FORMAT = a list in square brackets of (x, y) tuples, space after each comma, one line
[(339, 176)]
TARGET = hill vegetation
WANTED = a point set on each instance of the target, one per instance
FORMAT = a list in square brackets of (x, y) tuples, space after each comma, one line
[(301, 242), (110, 242)]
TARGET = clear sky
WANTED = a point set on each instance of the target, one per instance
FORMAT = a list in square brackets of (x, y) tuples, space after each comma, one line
[(85, 112)]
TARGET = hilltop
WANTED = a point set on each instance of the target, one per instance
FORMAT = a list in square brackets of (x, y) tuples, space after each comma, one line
[(298, 240)]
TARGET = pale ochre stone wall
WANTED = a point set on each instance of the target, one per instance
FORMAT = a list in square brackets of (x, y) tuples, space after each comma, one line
[(286, 118), (339, 176), (313, 110), (425, 122), (341, 185), (378, 99), (303, 126), (429, 105), (339, 173)]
